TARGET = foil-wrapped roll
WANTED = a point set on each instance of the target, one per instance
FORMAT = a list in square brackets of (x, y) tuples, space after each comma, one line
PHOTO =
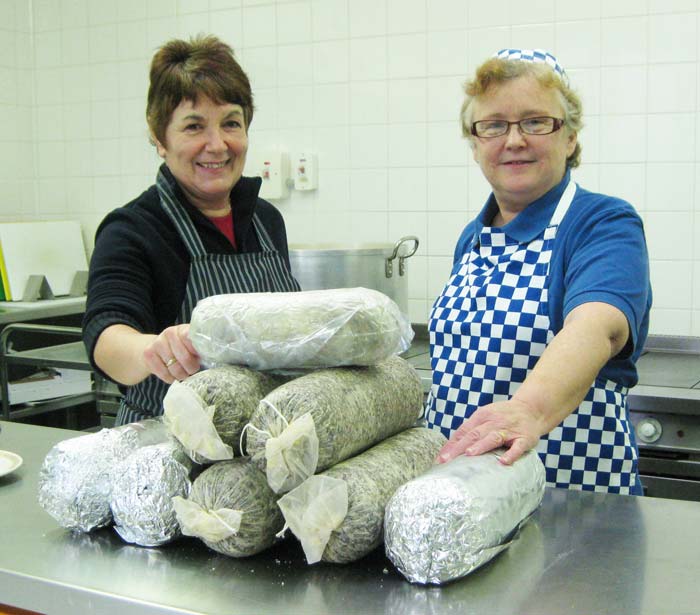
[(75, 477), (459, 515), (142, 487)]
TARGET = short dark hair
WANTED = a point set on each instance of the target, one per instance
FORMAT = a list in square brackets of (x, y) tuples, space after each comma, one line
[(183, 70)]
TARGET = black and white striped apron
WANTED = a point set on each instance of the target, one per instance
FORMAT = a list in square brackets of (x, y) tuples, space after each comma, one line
[(210, 274)]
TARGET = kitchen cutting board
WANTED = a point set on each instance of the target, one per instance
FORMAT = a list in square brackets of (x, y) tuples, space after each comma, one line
[(52, 249)]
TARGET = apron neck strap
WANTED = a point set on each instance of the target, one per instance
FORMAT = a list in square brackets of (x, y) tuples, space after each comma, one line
[(564, 203), (177, 213)]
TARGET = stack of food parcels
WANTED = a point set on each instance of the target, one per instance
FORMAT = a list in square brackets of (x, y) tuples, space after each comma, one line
[(306, 420)]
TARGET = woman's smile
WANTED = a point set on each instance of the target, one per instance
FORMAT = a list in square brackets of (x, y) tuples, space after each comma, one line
[(213, 165)]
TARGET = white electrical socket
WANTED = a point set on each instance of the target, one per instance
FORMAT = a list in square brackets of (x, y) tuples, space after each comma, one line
[(273, 167), (305, 171)]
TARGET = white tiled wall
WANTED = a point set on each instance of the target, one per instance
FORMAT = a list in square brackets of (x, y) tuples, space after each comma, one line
[(17, 170), (373, 86)]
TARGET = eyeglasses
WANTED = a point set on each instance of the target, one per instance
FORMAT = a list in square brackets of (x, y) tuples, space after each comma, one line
[(489, 129)]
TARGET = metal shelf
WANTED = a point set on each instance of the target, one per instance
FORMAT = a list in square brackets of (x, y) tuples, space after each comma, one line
[(50, 405), (70, 355)]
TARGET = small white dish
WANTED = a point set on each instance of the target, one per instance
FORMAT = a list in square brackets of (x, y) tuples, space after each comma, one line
[(9, 462)]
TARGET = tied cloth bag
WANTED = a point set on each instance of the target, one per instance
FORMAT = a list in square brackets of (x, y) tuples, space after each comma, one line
[(318, 420)]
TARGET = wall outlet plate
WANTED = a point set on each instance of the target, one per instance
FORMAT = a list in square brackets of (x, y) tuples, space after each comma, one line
[(272, 165)]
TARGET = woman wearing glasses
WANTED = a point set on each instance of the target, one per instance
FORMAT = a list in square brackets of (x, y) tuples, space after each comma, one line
[(535, 336)]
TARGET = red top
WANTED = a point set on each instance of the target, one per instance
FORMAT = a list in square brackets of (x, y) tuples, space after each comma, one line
[(225, 225)]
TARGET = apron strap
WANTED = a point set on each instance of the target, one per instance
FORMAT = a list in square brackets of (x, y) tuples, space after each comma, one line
[(184, 225), (564, 203), (264, 238)]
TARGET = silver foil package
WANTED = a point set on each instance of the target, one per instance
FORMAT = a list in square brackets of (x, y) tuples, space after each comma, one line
[(75, 477), (457, 516), (142, 488)]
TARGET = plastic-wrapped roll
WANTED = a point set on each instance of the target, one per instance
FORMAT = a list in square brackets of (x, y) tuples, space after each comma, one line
[(459, 515), (301, 330), (326, 416), (231, 509), (75, 477), (207, 411), (142, 487), (338, 515)]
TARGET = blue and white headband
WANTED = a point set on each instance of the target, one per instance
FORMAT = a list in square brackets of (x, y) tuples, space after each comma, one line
[(537, 56)]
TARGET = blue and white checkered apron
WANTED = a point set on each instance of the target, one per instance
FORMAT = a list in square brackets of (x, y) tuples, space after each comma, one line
[(210, 274), (487, 330)]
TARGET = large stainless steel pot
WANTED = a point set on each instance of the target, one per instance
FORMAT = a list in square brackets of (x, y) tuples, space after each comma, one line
[(378, 266)]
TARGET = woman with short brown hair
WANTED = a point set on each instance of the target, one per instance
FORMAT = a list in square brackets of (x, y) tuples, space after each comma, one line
[(200, 230)]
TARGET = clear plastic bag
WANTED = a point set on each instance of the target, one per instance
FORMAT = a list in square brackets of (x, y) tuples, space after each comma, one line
[(301, 330), (207, 411)]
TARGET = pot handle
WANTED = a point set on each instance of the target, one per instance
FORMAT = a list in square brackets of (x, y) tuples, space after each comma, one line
[(389, 264)]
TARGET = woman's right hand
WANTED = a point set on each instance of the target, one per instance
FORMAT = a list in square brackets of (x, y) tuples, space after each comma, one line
[(171, 356), (510, 423)]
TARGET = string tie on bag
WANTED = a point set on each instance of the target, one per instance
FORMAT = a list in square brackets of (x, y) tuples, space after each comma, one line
[(259, 431)]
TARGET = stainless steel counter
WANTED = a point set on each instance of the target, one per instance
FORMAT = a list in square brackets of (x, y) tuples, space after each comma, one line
[(581, 553)]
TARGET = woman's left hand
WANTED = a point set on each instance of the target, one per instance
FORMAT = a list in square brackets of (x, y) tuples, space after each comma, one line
[(510, 424)]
